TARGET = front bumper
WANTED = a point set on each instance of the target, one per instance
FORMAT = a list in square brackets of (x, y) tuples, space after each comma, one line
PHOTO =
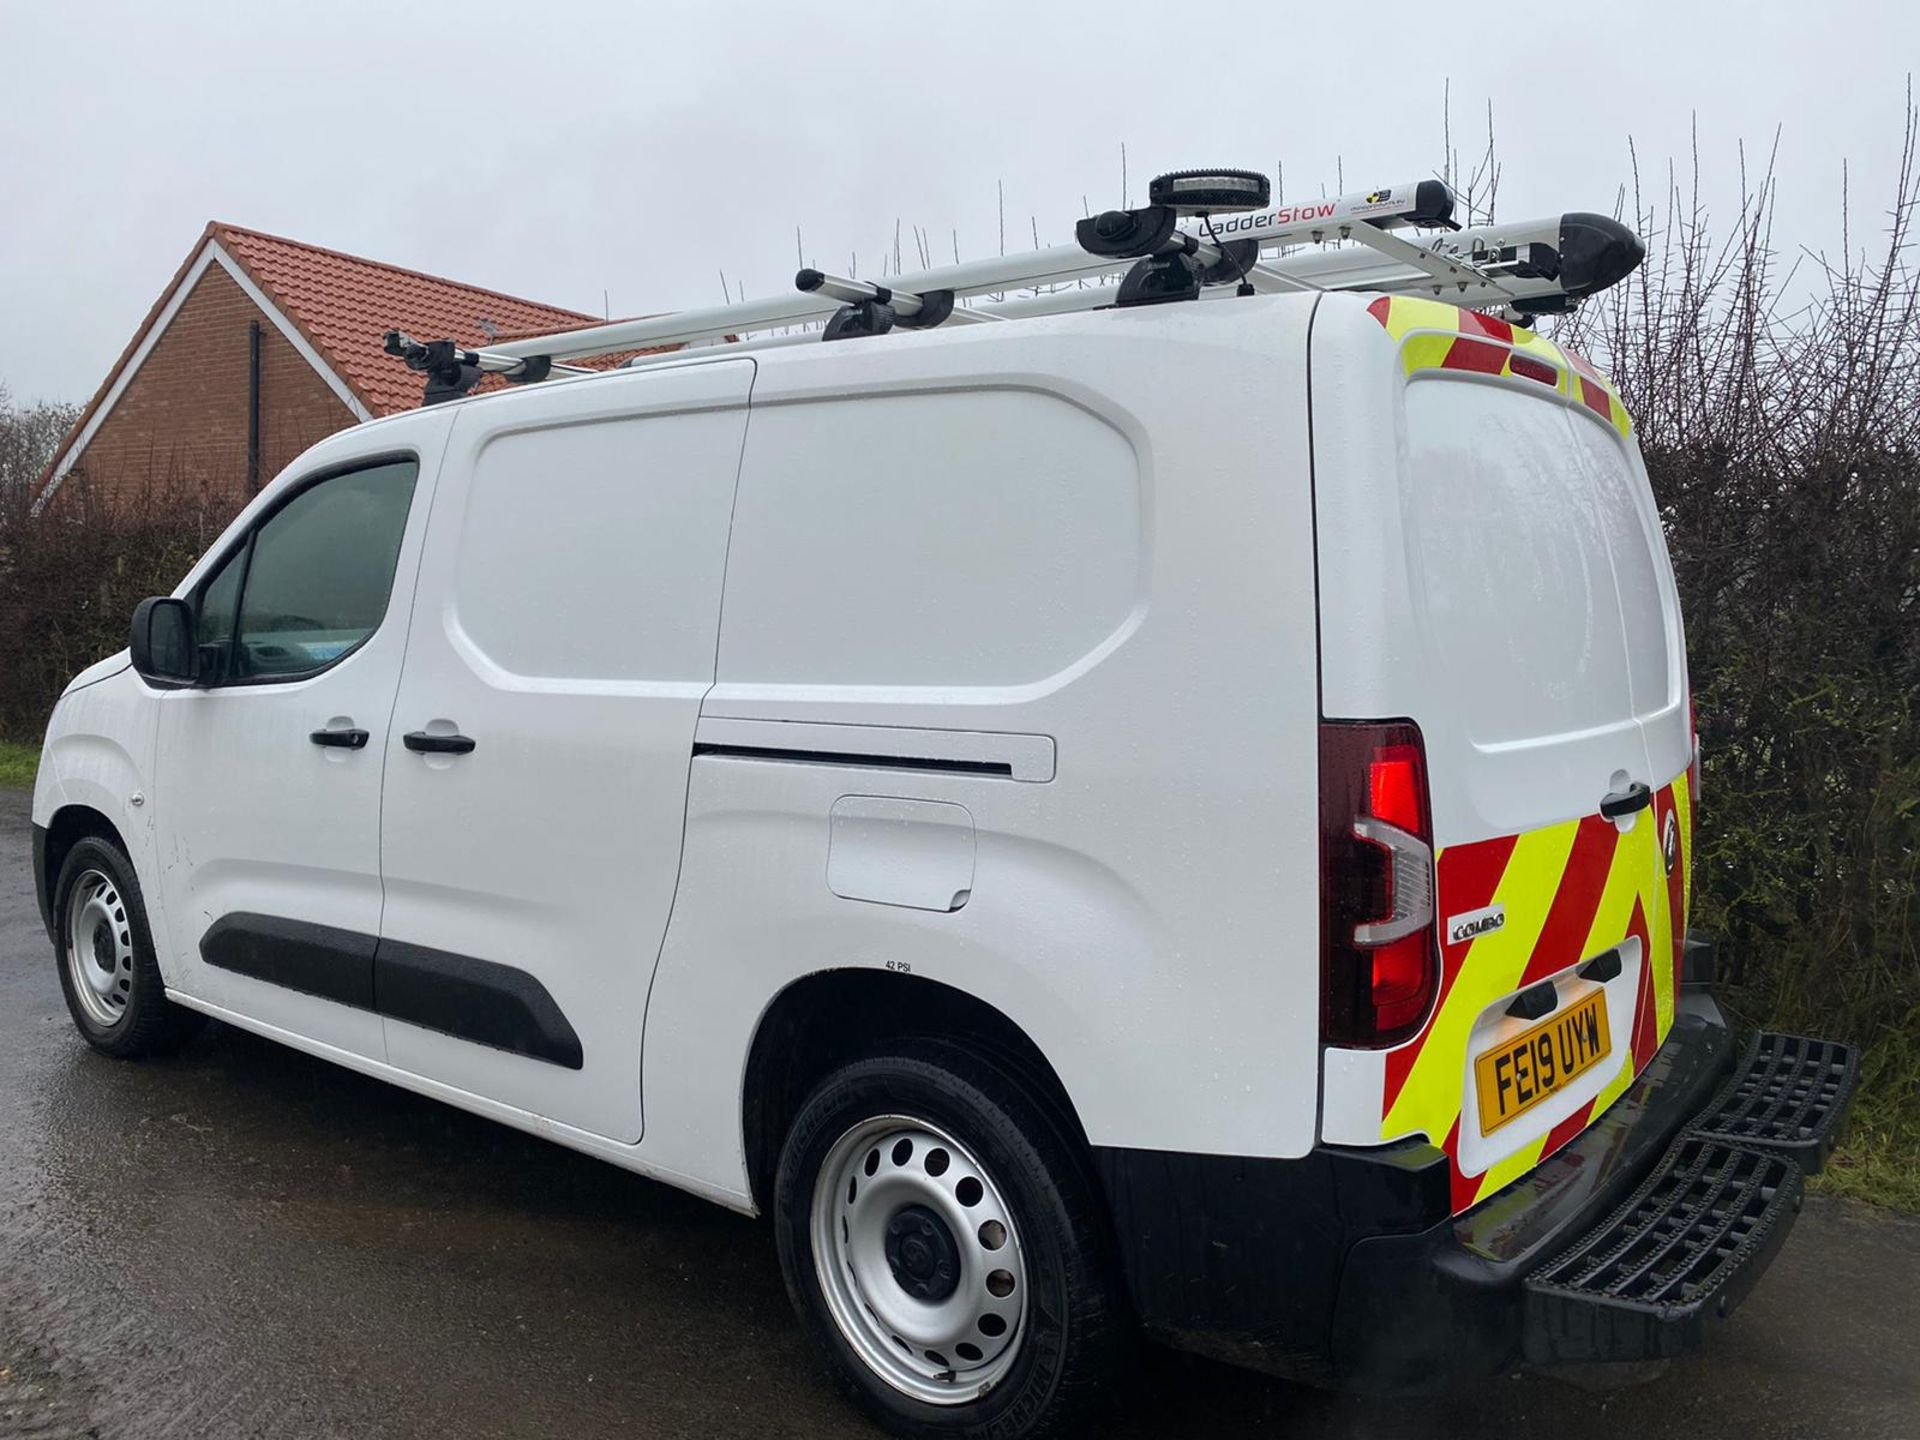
[(42, 881), (1345, 1267)]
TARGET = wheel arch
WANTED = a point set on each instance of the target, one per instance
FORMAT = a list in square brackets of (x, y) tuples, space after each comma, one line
[(830, 1017), (65, 828)]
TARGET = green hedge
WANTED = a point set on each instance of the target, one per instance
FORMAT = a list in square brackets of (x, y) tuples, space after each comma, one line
[(1779, 415)]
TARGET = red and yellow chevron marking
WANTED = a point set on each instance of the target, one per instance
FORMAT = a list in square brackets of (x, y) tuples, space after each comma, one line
[(1434, 335), (1570, 891)]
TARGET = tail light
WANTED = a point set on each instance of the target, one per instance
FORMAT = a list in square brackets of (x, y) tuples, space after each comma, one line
[(1379, 944)]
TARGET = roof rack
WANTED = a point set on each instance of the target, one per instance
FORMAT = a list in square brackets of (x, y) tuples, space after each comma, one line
[(1203, 234)]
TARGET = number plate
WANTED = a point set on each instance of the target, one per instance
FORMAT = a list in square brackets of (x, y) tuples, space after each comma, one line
[(1515, 1076)]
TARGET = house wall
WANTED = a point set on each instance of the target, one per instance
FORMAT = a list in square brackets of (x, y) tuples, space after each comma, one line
[(179, 430)]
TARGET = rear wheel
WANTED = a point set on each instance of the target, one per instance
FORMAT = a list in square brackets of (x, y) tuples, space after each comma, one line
[(107, 969), (942, 1240)]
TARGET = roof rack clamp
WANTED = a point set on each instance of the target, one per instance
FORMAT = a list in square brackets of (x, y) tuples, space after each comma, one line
[(532, 371), (1159, 279), (935, 307), (451, 372), (862, 317), (1123, 234)]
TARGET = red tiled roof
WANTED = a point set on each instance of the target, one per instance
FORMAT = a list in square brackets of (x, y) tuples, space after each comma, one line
[(345, 305)]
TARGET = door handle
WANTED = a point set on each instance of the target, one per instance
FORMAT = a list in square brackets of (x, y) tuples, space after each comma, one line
[(425, 744), (340, 739), (1625, 802)]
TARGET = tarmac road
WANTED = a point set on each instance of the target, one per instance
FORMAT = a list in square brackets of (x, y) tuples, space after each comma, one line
[(244, 1241)]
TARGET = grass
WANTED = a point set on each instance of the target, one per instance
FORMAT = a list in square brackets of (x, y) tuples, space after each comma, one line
[(18, 763), (1879, 1161)]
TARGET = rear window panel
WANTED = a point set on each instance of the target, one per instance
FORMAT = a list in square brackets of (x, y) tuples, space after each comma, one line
[(1515, 559), (1648, 608)]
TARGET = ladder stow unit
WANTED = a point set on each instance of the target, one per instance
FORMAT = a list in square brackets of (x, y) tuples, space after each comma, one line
[(1204, 234)]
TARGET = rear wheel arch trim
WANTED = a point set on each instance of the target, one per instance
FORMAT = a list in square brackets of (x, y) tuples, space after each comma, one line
[(806, 997)]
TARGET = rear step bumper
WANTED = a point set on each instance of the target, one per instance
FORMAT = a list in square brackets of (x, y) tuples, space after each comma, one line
[(1788, 1097), (1628, 1244), (1684, 1250), (1645, 1283)]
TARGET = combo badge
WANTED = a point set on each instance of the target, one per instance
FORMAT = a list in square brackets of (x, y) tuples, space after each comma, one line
[(1474, 923)]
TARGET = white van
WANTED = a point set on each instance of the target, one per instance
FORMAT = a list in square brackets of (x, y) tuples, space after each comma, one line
[(1169, 819)]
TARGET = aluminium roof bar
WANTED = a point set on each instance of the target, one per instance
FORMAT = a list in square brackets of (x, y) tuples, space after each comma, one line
[(1307, 223), (1447, 271), (1521, 269), (1060, 264)]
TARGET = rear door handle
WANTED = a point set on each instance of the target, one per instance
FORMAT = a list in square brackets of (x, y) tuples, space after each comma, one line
[(340, 739), (1625, 802), (425, 744)]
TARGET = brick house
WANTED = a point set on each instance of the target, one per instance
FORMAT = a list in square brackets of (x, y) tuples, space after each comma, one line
[(258, 347)]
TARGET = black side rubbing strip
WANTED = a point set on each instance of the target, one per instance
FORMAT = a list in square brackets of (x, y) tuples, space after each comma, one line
[(313, 959), (1000, 768), (475, 1000)]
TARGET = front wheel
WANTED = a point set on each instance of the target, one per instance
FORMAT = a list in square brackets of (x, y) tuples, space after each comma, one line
[(942, 1240), (107, 969)]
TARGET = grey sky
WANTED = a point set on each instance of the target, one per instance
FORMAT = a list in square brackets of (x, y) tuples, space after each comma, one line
[(554, 151)]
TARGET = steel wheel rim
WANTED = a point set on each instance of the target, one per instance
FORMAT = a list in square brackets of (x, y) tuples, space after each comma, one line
[(884, 1180), (99, 948)]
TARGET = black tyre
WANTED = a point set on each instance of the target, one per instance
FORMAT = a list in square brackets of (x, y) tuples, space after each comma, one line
[(105, 956), (943, 1241)]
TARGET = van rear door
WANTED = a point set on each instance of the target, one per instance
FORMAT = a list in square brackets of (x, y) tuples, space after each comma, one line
[(1491, 568)]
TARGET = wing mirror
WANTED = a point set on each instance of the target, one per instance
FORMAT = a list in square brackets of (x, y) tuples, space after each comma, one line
[(162, 642)]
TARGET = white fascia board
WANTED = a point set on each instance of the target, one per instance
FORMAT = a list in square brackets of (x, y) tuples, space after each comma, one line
[(210, 254), (287, 328)]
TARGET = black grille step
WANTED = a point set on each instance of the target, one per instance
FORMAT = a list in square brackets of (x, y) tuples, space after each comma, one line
[(1680, 1253), (1790, 1095)]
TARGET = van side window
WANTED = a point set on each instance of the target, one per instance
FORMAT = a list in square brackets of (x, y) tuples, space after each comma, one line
[(318, 573), (984, 538), (585, 548), (214, 612)]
